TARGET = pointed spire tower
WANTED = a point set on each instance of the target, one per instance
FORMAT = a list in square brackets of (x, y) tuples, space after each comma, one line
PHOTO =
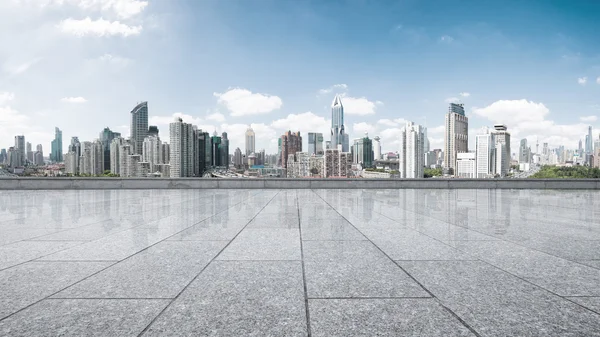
[(337, 122)]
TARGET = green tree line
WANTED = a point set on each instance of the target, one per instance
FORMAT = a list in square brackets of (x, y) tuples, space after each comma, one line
[(564, 172)]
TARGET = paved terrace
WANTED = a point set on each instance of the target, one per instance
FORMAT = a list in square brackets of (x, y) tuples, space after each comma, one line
[(299, 263)]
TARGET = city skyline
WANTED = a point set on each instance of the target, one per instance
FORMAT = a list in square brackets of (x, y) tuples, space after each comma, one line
[(392, 73)]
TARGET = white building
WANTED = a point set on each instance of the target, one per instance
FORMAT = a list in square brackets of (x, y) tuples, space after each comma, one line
[(71, 163), (299, 165), (151, 152), (376, 148), (115, 158), (181, 149), (250, 142), (97, 158), (486, 162), (411, 154), (125, 151), (503, 152), (465, 165), (456, 134)]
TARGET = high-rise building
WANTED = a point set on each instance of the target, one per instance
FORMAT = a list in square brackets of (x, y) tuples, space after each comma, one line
[(362, 151), (524, 152), (56, 155), (250, 141), (39, 155), (181, 155), (3, 156), (29, 153), (589, 145), (201, 138), (337, 122), (426, 147), (298, 165), (124, 164), (485, 150), (85, 160), (224, 150), (376, 148), (139, 126), (411, 156), (336, 163), (21, 149), (151, 152), (503, 152), (97, 158), (115, 157), (215, 150), (237, 158), (291, 142), (466, 165), (456, 134), (315, 143), (106, 137)]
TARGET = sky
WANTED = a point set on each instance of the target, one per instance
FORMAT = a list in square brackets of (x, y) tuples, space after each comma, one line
[(82, 65)]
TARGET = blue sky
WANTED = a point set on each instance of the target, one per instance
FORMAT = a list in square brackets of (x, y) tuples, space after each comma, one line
[(82, 65)]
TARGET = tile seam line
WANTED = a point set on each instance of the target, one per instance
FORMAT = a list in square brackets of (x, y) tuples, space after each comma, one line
[(204, 268), (304, 284), (465, 324), (103, 269)]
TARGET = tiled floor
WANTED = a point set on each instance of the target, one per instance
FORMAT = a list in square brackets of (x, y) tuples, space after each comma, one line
[(300, 263)]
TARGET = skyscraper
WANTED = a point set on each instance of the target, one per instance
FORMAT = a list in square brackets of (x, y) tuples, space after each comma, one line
[(503, 153), (237, 158), (484, 147), (106, 137), (224, 150), (363, 151), (411, 157), (291, 142), (21, 150), (315, 144), (456, 134), (97, 158), (589, 144), (337, 122), (29, 152), (57, 150), (376, 148), (181, 149), (115, 157), (151, 152), (215, 150), (139, 126), (250, 141), (524, 155)]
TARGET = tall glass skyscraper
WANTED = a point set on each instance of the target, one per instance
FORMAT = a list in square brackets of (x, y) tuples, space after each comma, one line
[(337, 122), (56, 155), (106, 137), (139, 126)]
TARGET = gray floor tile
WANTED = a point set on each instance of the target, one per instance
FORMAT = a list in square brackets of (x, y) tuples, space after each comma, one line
[(495, 303), (83, 318), (30, 282), (329, 229), (566, 278), (383, 317), (592, 303), (212, 229), (239, 298), (264, 244), (274, 221), (24, 251), (161, 271), (354, 269)]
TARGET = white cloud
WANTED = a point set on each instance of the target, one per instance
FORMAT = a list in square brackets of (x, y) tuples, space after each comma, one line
[(465, 94), (73, 99), (336, 87), (166, 120), (527, 119), (265, 134), (242, 102), (114, 60), (123, 8), (359, 106), (446, 39), (387, 122), (452, 100), (20, 67), (582, 80), (360, 128), (5, 97), (217, 117), (98, 27), (588, 118)]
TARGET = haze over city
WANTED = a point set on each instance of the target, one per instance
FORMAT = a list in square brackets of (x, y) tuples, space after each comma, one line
[(82, 65)]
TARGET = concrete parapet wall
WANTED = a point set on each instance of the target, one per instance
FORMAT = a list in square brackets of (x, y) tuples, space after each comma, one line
[(195, 183)]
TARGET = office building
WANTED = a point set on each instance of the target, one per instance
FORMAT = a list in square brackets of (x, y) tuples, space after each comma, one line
[(524, 152), (362, 152), (336, 164), (97, 158), (3, 156), (589, 144), (151, 152), (250, 141), (29, 153), (115, 156), (224, 150), (106, 137), (125, 150), (291, 142), (485, 154), (238, 159), (215, 150), (315, 143), (377, 148), (337, 123), (201, 139), (20, 147), (411, 156), (503, 152), (181, 156), (456, 138), (139, 127), (152, 131), (466, 165), (56, 154)]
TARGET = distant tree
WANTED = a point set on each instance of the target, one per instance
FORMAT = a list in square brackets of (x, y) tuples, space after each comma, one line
[(429, 172), (314, 171)]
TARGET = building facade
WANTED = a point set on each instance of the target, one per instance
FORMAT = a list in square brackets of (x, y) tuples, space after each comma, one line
[(466, 165), (106, 137), (411, 156), (181, 156), (250, 141), (362, 151), (503, 152), (291, 142), (485, 159), (456, 138), (315, 143), (56, 154), (139, 127)]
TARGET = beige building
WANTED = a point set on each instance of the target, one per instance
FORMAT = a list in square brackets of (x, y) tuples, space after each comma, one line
[(456, 134)]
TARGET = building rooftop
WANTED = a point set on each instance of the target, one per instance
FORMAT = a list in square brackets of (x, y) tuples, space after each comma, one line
[(347, 262)]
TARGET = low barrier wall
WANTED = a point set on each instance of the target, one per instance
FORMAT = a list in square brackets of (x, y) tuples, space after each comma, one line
[(201, 183)]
